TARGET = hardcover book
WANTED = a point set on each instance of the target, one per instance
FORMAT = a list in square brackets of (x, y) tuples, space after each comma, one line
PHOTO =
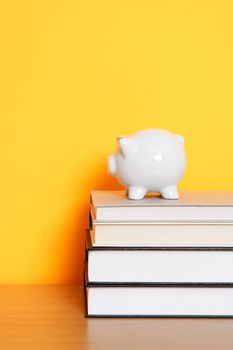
[(159, 301)]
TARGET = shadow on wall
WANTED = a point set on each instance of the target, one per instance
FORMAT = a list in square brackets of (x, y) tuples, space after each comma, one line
[(69, 262)]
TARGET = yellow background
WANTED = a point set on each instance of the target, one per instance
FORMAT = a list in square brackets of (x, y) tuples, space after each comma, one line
[(74, 75)]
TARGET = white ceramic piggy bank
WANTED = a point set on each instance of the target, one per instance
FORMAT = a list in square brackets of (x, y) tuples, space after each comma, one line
[(151, 160)]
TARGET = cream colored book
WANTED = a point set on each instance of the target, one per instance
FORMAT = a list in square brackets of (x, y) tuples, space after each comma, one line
[(195, 206), (163, 235)]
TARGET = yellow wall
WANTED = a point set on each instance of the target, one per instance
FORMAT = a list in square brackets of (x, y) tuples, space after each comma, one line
[(74, 75)]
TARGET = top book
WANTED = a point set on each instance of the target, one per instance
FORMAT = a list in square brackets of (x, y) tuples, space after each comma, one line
[(193, 206)]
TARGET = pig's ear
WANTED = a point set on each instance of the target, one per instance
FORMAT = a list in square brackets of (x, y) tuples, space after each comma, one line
[(127, 145), (180, 139)]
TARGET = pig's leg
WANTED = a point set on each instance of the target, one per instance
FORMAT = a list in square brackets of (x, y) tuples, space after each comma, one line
[(136, 192), (169, 192)]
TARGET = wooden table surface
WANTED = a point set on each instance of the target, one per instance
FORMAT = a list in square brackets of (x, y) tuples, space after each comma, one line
[(51, 317)]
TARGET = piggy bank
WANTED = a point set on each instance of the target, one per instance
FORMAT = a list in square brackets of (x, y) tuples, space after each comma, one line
[(151, 160)]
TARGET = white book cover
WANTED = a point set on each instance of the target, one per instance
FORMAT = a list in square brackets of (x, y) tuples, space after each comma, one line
[(159, 266), (158, 301)]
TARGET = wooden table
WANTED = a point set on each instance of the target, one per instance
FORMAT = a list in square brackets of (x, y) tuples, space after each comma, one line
[(51, 317)]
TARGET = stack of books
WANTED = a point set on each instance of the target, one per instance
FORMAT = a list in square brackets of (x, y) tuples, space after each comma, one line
[(160, 258)]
